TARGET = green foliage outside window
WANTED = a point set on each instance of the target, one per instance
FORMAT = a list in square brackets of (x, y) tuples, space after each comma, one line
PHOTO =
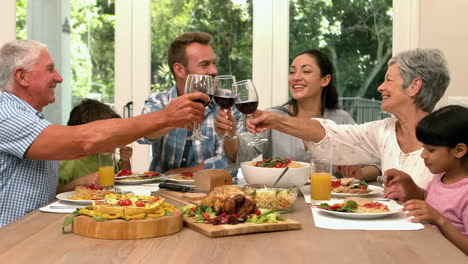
[(355, 34), (230, 25)]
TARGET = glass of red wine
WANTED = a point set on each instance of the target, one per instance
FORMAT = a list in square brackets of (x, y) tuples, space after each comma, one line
[(226, 93), (204, 84), (247, 102)]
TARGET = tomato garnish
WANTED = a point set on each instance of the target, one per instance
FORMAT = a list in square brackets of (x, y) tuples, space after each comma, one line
[(140, 203), (187, 174), (336, 183), (124, 173)]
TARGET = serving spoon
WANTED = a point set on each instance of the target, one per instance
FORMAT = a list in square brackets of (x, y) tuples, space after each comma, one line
[(281, 176)]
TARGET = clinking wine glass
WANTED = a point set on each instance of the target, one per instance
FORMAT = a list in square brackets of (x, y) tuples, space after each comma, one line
[(226, 93), (204, 84), (247, 103)]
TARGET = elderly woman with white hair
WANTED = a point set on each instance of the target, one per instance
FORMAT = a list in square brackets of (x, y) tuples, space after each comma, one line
[(415, 81)]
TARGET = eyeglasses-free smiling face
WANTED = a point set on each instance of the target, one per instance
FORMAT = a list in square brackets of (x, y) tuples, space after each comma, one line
[(393, 94), (41, 81), (305, 79)]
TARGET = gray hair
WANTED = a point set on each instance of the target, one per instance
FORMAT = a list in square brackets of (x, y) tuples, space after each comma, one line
[(23, 53), (431, 66)]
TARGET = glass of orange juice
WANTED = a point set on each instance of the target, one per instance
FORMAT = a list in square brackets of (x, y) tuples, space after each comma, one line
[(106, 169), (320, 179)]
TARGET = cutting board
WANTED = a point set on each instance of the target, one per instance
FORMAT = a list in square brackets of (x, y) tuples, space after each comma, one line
[(187, 197), (239, 229), (226, 230), (133, 229)]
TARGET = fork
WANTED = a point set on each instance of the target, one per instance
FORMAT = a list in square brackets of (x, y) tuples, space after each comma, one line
[(381, 178)]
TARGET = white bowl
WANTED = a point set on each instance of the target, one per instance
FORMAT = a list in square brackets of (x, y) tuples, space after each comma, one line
[(268, 176)]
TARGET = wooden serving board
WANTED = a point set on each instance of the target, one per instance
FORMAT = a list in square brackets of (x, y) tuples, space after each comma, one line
[(239, 229), (133, 229), (187, 197), (227, 230)]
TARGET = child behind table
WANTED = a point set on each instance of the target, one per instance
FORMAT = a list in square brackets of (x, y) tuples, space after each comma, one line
[(444, 134), (84, 171)]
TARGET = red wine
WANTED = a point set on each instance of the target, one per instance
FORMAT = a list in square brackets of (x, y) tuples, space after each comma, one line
[(203, 102), (224, 102), (247, 108)]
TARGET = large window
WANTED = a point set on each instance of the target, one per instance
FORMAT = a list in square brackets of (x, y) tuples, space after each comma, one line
[(82, 46), (357, 37), (92, 49), (228, 21)]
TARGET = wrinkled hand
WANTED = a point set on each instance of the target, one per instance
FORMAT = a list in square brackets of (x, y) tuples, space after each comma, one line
[(350, 171), (225, 121), (422, 211), (261, 121), (182, 111), (92, 178)]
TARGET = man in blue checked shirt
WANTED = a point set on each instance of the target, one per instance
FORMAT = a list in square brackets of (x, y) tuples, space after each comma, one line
[(189, 53), (30, 145)]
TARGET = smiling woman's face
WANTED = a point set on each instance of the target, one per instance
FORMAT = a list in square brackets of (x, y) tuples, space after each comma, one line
[(393, 95), (304, 78)]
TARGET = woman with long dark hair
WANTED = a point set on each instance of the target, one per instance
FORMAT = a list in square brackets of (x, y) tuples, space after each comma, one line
[(313, 94)]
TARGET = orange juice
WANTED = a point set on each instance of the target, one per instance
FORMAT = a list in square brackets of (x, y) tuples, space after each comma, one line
[(106, 176), (320, 186)]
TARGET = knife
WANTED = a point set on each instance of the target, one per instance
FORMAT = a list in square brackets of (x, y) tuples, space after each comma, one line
[(179, 188), (65, 206)]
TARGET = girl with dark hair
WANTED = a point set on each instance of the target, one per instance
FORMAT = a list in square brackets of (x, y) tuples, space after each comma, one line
[(445, 201), (84, 171), (313, 94)]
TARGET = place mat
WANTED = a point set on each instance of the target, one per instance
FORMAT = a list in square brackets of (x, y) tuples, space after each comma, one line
[(393, 222), (67, 207)]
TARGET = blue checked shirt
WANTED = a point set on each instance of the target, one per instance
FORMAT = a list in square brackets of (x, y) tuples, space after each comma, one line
[(167, 151), (25, 184)]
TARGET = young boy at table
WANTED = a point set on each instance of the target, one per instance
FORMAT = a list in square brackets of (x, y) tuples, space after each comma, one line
[(83, 171), (445, 202)]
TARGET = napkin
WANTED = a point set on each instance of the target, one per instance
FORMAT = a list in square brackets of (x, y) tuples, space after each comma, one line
[(70, 207), (393, 222), (397, 221)]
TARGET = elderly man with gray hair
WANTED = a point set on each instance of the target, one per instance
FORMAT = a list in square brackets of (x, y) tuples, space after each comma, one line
[(415, 81), (30, 145)]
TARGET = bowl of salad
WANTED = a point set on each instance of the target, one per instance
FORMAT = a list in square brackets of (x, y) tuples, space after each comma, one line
[(281, 199), (267, 171)]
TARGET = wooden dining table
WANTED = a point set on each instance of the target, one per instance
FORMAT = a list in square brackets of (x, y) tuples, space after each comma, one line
[(37, 238)]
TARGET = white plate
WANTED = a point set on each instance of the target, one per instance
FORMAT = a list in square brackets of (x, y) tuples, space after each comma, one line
[(136, 182), (374, 190), (392, 206), (65, 195), (186, 182)]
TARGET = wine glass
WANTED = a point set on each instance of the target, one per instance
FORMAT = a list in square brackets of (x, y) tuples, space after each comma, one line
[(247, 103), (226, 93), (204, 84)]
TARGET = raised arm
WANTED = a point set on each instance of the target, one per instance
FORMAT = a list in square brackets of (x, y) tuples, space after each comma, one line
[(309, 129), (58, 142)]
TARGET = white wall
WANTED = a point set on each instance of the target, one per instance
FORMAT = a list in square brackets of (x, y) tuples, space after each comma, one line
[(7, 21), (444, 25)]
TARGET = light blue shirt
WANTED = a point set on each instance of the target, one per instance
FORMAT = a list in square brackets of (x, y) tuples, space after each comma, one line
[(25, 184), (168, 150)]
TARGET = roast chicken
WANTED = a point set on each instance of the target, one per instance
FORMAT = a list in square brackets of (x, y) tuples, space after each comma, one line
[(230, 199)]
